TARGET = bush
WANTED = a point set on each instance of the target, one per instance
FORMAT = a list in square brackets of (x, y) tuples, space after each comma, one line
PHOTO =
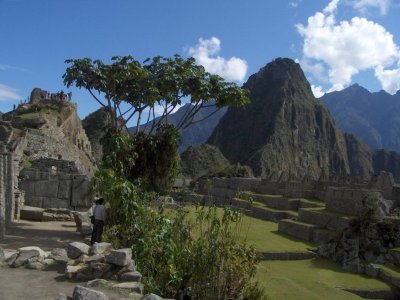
[(202, 259)]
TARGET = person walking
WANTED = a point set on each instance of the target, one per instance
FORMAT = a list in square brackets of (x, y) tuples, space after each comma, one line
[(99, 214)]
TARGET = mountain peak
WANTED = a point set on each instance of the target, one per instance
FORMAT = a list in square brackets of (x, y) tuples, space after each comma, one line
[(291, 132)]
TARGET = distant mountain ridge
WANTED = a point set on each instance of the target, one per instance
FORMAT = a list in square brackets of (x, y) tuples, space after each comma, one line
[(197, 133), (374, 117)]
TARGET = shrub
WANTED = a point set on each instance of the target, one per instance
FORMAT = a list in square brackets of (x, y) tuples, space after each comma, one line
[(202, 259)]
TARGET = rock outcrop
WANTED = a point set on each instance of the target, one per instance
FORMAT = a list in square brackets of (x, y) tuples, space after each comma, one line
[(285, 131), (51, 128)]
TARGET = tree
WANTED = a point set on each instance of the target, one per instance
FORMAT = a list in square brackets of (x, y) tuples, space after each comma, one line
[(134, 90)]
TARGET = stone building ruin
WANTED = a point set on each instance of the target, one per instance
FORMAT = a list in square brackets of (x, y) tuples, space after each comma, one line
[(41, 171)]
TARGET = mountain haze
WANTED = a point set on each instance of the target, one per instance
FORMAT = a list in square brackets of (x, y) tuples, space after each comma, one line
[(374, 117), (197, 133)]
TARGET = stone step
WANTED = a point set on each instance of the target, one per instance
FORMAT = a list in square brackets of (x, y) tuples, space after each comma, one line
[(287, 255), (297, 203), (301, 230), (272, 201), (323, 218), (371, 294), (305, 231), (262, 212), (281, 202), (389, 274), (395, 253)]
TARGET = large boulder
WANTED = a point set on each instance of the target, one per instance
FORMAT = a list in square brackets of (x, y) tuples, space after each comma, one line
[(31, 213), (100, 248), (28, 254), (83, 293), (121, 257), (135, 287), (151, 297), (59, 255), (76, 249)]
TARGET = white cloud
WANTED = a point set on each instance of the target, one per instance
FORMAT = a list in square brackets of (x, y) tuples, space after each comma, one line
[(343, 49), (295, 3), (205, 53), (363, 5), (159, 109), (8, 93), (317, 91), (4, 67)]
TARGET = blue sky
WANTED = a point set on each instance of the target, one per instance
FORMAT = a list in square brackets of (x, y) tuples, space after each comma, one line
[(337, 42)]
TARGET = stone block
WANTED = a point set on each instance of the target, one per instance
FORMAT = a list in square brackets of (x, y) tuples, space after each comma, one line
[(71, 271), (131, 276), (27, 253), (83, 293), (28, 187), (59, 255), (64, 189), (296, 229), (33, 249), (135, 287), (62, 296), (48, 188), (121, 257), (97, 283), (34, 201), (55, 203), (34, 265), (76, 249), (79, 191), (100, 248), (323, 219), (31, 213), (11, 259), (151, 297), (97, 258), (30, 175)]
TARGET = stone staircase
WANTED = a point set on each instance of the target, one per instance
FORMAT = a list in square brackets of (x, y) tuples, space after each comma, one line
[(306, 219)]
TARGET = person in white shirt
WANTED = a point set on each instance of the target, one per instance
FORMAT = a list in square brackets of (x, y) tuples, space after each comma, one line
[(99, 213)]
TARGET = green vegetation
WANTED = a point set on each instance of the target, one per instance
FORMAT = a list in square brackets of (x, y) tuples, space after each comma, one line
[(132, 89), (263, 235), (172, 259), (213, 265), (390, 270), (311, 279)]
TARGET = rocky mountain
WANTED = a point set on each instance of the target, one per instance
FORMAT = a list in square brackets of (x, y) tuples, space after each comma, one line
[(96, 125), (285, 131), (374, 117), (47, 127), (197, 133), (205, 161)]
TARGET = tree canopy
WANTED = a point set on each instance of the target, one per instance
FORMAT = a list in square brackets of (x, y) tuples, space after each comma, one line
[(134, 91)]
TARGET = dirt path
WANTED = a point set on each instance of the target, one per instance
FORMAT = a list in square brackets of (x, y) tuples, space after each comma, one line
[(20, 283)]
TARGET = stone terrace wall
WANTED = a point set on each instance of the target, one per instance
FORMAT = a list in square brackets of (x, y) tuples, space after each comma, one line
[(52, 188), (347, 201), (343, 195)]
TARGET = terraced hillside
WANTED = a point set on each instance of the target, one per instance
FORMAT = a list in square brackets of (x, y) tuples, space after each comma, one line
[(286, 231)]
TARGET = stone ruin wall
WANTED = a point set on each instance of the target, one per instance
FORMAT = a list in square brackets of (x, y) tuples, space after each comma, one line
[(345, 196), (52, 183)]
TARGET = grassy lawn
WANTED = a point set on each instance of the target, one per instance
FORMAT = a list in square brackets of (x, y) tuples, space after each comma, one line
[(264, 235), (391, 270), (311, 279), (297, 279)]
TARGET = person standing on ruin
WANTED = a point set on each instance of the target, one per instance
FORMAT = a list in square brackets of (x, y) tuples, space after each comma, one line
[(99, 214)]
